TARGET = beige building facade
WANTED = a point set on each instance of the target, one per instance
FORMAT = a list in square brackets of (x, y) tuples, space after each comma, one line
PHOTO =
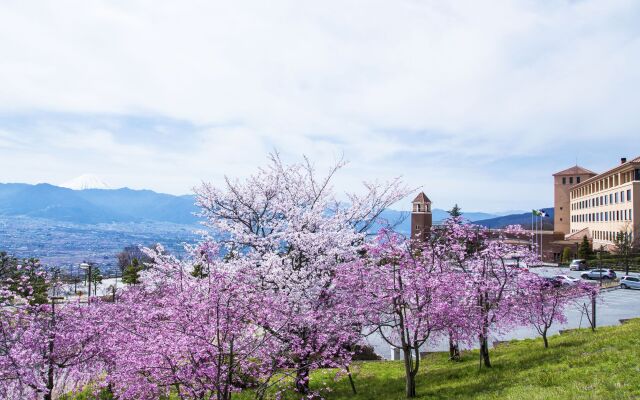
[(599, 205), (563, 182)]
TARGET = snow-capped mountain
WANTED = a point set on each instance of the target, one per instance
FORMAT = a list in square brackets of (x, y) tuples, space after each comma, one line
[(86, 181)]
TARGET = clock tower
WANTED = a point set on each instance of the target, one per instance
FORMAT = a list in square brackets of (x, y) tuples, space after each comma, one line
[(421, 217)]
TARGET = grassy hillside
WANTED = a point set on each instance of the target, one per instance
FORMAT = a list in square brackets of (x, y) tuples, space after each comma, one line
[(578, 365)]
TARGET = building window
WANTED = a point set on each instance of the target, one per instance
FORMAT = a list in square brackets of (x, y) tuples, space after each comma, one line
[(628, 194), (622, 197), (577, 179), (564, 180), (571, 180)]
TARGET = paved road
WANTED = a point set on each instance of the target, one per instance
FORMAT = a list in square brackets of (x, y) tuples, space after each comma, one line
[(550, 271), (614, 305)]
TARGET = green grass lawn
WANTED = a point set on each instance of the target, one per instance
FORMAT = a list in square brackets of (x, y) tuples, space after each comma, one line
[(577, 365)]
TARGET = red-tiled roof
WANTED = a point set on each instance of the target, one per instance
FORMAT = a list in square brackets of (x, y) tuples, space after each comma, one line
[(421, 198), (577, 170)]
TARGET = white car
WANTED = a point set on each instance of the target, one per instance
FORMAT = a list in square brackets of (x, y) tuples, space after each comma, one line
[(566, 279), (630, 282)]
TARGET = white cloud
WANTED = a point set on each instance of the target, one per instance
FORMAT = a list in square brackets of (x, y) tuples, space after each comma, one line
[(400, 87)]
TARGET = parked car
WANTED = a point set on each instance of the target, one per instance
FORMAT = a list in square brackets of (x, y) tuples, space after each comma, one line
[(578, 265), (630, 282), (566, 279), (599, 274)]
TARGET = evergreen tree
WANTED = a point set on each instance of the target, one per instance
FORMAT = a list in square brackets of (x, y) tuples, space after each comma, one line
[(96, 277), (131, 274), (566, 255), (585, 251), (199, 271), (455, 211)]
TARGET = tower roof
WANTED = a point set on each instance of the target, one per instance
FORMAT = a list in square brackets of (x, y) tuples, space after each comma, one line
[(421, 198), (576, 170)]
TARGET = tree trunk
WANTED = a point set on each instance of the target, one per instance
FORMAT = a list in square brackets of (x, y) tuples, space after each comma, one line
[(48, 395), (410, 378), (544, 338), (302, 380), (626, 267), (229, 382), (454, 349), (353, 385), (484, 351)]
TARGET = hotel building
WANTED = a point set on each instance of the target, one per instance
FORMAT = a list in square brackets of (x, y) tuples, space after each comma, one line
[(598, 206)]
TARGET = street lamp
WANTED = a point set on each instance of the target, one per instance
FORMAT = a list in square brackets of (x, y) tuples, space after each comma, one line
[(87, 267)]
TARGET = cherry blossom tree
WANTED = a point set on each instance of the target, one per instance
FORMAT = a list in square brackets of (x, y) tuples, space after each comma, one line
[(44, 349), (543, 302), (198, 335), (489, 262), (403, 294), (286, 226)]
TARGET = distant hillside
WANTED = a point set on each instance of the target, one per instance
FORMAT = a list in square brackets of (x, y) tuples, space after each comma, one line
[(518, 219), (94, 206)]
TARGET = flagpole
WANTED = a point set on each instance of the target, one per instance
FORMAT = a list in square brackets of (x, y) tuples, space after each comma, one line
[(541, 231), (538, 233)]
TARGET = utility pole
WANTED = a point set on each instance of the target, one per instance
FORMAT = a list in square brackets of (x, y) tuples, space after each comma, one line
[(52, 337), (593, 312), (87, 267)]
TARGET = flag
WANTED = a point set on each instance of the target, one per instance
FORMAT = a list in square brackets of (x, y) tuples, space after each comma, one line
[(537, 213)]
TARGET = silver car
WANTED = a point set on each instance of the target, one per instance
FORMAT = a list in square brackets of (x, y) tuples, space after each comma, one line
[(578, 265), (630, 282), (599, 274)]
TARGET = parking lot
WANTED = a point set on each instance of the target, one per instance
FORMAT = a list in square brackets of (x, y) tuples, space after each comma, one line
[(551, 271), (613, 305)]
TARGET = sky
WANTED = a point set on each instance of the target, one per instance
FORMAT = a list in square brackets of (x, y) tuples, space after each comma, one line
[(476, 103)]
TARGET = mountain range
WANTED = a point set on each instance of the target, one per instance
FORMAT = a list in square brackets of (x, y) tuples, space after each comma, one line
[(64, 226), (94, 206), (523, 219)]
